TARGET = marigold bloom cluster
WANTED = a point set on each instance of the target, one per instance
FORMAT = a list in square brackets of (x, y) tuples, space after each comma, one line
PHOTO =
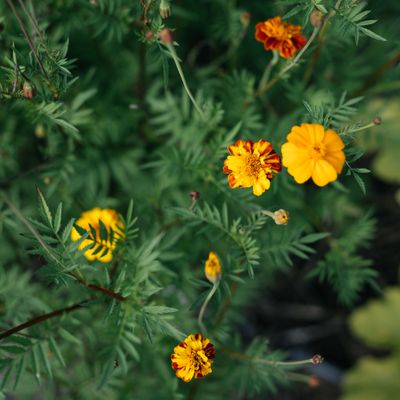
[(252, 165), (212, 268), (313, 152), (193, 357), (102, 249), (280, 36)]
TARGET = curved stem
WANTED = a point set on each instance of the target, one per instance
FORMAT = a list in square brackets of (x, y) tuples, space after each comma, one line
[(174, 56), (205, 304), (288, 66), (268, 69)]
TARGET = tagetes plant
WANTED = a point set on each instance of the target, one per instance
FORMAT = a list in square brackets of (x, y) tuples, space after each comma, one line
[(252, 165), (99, 248), (193, 357), (313, 152), (281, 36)]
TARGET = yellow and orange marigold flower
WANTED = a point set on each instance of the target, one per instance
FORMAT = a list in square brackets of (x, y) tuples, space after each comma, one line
[(252, 165), (212, 268), (313, 152), (281, 36), (193, 357), (101, 249)]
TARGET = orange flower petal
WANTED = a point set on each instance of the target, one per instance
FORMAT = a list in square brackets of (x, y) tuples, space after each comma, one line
[(323, 173)]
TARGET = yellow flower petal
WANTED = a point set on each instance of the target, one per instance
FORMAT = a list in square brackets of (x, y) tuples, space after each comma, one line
[(323, 173), (261, 185)]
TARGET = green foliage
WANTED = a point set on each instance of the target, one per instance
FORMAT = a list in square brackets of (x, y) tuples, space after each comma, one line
[(94, 113)]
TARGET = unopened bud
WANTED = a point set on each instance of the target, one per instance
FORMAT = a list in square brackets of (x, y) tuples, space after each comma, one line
[(316, 18), (149, 35), (165, 9), (317, 359), (27, 90), (377, 120), (212, 268), (40, 132), (245, 18), (281, 217), (194, 196), (47, 180), (166, 36)]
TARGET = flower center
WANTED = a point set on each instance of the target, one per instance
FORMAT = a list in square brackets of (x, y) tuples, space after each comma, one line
[(318, 151), (200, 359), (253, 165)]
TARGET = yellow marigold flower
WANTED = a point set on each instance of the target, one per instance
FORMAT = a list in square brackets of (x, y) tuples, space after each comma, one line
[(313, 152), (281, 36), (251, 165), (193, 357), (212, 268), (92, 218)]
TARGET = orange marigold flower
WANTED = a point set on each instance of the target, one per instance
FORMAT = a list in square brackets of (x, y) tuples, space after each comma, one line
[(212, 268), (193, 357), (252, 165), (281, 36), (100, 249), (313, 152)]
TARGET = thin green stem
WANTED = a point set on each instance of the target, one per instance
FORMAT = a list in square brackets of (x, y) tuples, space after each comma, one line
[(267, 72), (361, 128), (175, 57), (246, 357), (288, 66), (204, 306), (28, 39)]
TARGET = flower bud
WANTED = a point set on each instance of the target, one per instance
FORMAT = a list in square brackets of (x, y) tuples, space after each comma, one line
[(281, 217), (212, 268), (194, 196), (317, 359), (149, 35), (316, 18), (377, 120), (166, 36), (27, 91), (165, 9), (40, 132)]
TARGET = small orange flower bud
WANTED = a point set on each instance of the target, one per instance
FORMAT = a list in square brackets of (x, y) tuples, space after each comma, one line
[(377, 120), (166, 36), (212, 268), (281, 217), (149, 35), (27, 90), (316, 18), (165, 9)]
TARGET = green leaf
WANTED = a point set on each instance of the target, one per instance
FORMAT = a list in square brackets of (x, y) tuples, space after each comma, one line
[(44, 208), (57, 218), (377, 324)]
